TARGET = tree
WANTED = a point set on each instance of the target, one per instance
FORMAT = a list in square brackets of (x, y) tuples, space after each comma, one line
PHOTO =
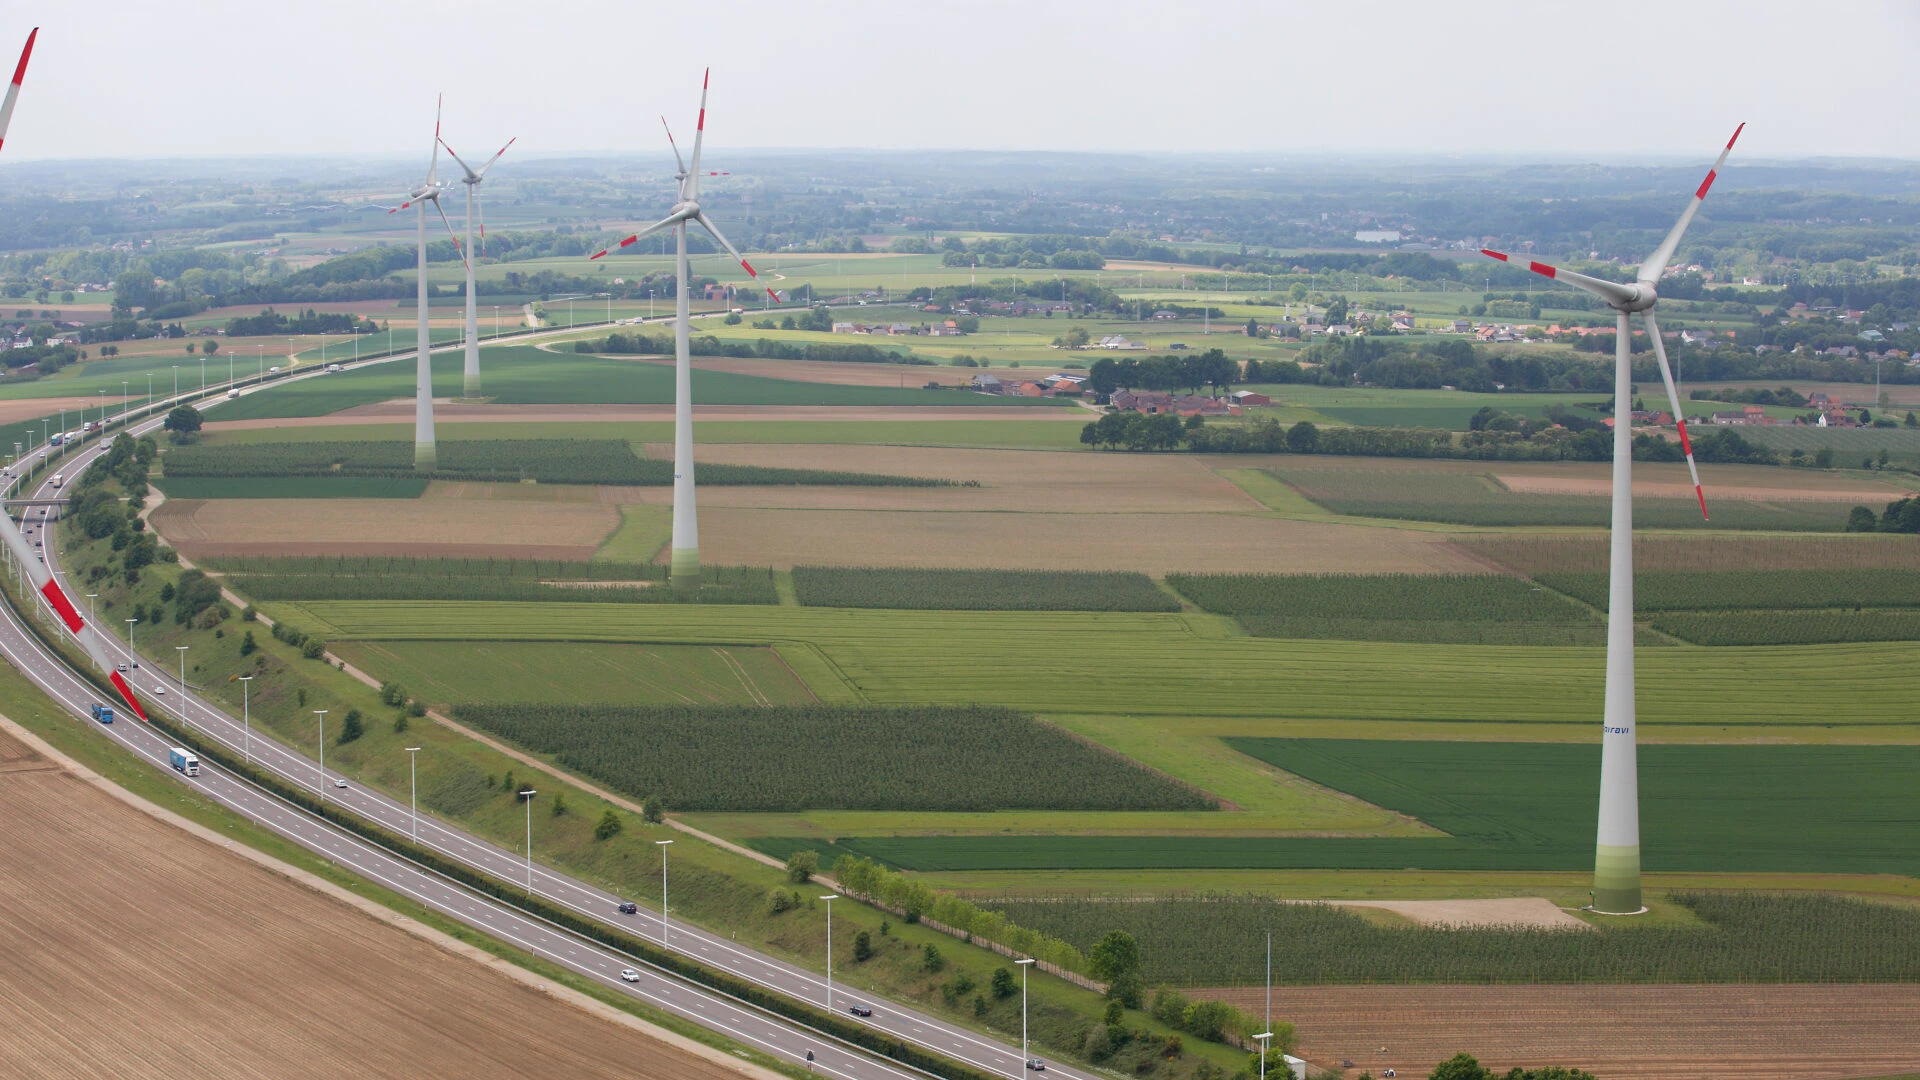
[(1253, 327), (1336, 311), (930, 959), (351, 727), (1911, 420), (652, 812), (1861, 519), (1115, 959), (1823, 458), (1461, 1066), (248, 646), (609, 826), (209, 347), (862, 947), (1077, 338), (802, 865), (1003, 983), (1303, 438), (184, 420), (1102, 376)]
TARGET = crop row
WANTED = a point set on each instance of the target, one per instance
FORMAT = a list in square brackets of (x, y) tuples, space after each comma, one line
[(1549, 554), (1753, 589), (1403, 597), (978, 590), (1429, 631), (787, 757), (1746, 937), (1789, 627), (718, 585), (435, 567), (1474, 499), (550, 461)]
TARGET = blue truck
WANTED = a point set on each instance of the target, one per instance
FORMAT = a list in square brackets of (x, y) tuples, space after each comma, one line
[(103, 713), (183, 760)]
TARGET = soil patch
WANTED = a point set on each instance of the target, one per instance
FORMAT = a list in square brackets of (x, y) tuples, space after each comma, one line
[(467, 527), (1618, 1032), (1501, 911), (79, 409), (135, 949), (1655, 489)]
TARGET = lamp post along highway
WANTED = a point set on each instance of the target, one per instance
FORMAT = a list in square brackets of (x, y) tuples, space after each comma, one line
[(246, 717), (1024, 965), (182, 650), (321, 717), (662, 845), (830, 899), (413, 780), (527, 797), (1263, 1037)]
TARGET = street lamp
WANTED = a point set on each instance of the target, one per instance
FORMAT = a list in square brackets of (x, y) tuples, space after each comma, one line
[(246, 716), (662, 845), (1263, 1037), (176, 382), (413, 778), (133, 657), (1024, 964), (90, 598), (322, 715), (830, 900), (182, 650), (527, 797)]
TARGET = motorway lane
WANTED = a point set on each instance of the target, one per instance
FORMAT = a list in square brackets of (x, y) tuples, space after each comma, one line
[(591, 902)]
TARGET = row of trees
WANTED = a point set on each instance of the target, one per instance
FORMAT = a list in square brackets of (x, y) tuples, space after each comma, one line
[(1212, 368)]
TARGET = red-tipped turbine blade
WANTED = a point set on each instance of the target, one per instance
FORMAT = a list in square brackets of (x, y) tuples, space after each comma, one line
[(1611, 291), (13, 89), (126, 692), (1656, 264), (621, 244)]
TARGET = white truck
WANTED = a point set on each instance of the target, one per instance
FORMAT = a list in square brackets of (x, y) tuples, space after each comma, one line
[(183, 760)]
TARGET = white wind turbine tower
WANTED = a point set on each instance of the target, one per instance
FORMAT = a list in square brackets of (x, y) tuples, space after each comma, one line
[(1616, 862), (425, 458), (685, 568), (15, 542), (471, 384)]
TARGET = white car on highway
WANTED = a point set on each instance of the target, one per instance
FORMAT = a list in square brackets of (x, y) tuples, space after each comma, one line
[(629, 975)]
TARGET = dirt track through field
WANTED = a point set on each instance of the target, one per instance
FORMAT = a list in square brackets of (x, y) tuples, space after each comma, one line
[(1615, 1032), (134, 949)]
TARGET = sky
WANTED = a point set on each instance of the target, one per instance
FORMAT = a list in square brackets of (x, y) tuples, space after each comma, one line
[(1621, 80)]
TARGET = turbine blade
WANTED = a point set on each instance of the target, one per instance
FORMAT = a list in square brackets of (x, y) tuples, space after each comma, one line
[(456, 157), (641, 235), (56, 599), (1656, 263), (456, 236), (480, 208), (1611, 291), (1673, 399), (496, 157), (699, 136), (677, 159), (433, 152), (707, 224), (13, 89)]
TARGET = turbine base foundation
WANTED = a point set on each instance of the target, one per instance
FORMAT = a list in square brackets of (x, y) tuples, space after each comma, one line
[(1616, 880), (424, 457), (472, 387), (684, 571)]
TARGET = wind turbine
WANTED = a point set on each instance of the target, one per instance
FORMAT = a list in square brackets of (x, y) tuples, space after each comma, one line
[(471, 386), (685, 569), (1616, 860), (16, 543), (425, 458)]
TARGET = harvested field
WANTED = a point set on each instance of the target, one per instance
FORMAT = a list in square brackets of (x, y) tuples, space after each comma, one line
[(467, 527), (1793, 1032), (448, 411), (188, 960), (821, 371), (1150, 543), (1026, 481), (1501, 911), (1870, 494), (14, 410), (1530, 555)]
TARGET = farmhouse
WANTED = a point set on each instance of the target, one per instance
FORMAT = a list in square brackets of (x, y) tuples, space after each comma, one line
[(1154, 402), (1248, 397), (1752, 415), (987, 384)]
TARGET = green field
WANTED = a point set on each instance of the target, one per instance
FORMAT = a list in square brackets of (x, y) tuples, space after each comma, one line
[(643, 531), (547, 461), (1460, 498), (769, 758), (1014, 434), (499, 580), (978, 590), (1186, 665), (1767, 607), (1479, 609), (1522, 807), (292, 487), (1449, 409), (442, 673), (1799, 627), (524, 375), (1728, 937), (1849, 445)]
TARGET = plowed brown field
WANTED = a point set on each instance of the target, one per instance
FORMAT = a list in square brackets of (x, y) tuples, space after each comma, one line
[(1615, 1032), (132, 948), (453, 526)]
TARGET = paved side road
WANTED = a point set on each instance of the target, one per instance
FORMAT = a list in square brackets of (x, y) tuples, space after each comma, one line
[(758, 1029)]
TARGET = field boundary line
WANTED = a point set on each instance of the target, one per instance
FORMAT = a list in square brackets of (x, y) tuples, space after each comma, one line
[(375, 909)]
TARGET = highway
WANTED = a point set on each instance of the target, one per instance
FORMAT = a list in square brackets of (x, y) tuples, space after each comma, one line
[(752, 1027)]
